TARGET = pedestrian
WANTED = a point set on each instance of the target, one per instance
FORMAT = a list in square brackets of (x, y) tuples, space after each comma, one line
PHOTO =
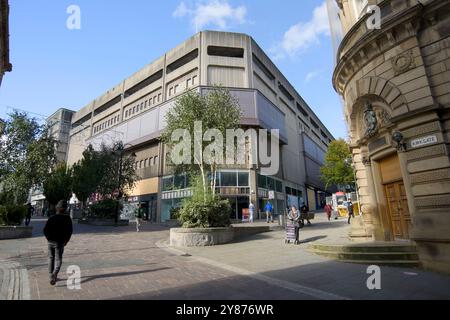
[(30, 211), (304, 213), (350, 211), (139, 214), (328, 210), (269, 209), (58, 231), (251, 210), (294, 217)]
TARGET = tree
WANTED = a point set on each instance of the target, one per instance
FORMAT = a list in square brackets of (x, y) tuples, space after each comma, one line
[(87, 174), (58, 185), (104, 171), (337, 169), (26, 154), (216, 110)]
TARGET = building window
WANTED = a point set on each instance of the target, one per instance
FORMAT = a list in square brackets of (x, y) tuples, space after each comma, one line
[(188, 82), (175, 91), (226, 52), (155, 160), (141, 164), (167, 184), (228, 179), (159, 97), (142, 106), (146, 163), (194, 80), (243, 179), (170, 92)]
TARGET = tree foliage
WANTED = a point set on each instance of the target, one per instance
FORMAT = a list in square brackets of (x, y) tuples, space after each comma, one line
[(104, 171), (27, 152), (216, 109), (337, 169), (204, 209), (58, 185)]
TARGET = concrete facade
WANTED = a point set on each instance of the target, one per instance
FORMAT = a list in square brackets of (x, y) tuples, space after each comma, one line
[(395, 82), (133, 112)]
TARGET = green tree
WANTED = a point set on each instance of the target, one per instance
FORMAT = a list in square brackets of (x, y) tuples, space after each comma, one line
[(26, 154), (58, 185), (104, 171), (119, 172), (87, 174), (337, 169), (216, 109)]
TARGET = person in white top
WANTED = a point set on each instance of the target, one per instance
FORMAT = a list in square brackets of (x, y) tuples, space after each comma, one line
[(251, 209)]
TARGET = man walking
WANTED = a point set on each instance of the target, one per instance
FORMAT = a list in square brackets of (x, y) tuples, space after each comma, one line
[(350, 211), (58, 231), (30, 211), (139, 214), (304, 213), (269, 209)]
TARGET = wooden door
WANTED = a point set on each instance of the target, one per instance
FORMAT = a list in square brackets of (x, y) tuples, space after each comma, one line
[(398, 210)]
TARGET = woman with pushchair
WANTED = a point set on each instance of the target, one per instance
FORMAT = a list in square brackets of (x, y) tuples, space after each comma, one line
[(294, 217)]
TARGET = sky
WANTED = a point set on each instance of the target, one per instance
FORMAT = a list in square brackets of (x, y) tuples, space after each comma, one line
[(55, 66)]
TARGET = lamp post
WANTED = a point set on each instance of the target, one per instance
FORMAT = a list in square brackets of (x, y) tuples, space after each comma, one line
[(349, 161), (120, 149)]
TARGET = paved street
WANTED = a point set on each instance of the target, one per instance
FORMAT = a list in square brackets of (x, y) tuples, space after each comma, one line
[(118, 263)]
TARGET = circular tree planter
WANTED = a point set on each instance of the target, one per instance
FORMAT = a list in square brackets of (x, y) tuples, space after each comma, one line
[(200, 237), (13, 232), (104, 222)]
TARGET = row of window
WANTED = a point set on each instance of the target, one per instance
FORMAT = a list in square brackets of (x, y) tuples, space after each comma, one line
[(145, 163), (270, 183), (143, 105), (106, 124), (175, 89), (224, 179)]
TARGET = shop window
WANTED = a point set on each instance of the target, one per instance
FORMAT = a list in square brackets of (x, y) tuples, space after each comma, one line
[(179, 182), (288, 190), (167, 184), (243, 179), (228, 179), (262, 181), (270, 183), (278, 186)]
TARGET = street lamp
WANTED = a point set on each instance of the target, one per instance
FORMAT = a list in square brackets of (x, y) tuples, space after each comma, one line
[(349, 161), (120, 149)]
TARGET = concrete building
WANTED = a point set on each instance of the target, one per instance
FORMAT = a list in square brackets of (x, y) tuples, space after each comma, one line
[(396, 85), (5, 64), (134, 110), (59, 125)]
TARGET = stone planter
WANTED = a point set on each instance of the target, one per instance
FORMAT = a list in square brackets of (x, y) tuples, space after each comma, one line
[(12, 232), (104, 222), (200, 237)]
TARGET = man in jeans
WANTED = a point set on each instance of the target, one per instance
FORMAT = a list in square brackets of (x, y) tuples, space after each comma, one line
[(58, 231), (269, 209)]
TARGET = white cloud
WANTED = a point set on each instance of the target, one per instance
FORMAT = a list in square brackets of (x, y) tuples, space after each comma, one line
[(311, 75), (218, 13), (303, 35)]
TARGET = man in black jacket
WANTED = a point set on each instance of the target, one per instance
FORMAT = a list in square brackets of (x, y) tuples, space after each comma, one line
[(58, 231)]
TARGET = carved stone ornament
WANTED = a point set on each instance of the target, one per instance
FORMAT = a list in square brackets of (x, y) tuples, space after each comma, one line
[(384, 118), (403, 62), (370, 121)]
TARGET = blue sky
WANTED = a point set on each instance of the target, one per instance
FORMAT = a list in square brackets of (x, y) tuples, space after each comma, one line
[(56, 67)]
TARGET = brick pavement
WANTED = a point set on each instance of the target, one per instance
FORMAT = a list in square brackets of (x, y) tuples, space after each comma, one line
[(118, 263)]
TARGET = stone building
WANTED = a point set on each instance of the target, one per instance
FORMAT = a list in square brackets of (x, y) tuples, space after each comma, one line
[(395, 81), (134, 110), (5, 64)]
